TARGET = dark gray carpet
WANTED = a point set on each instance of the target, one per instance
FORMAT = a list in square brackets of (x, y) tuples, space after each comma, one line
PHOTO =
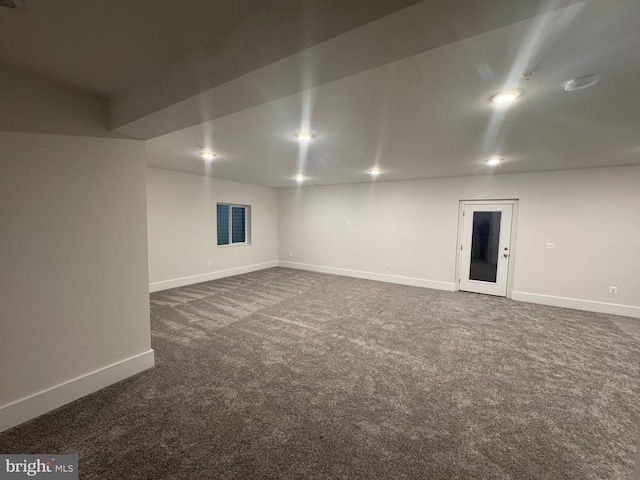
[(287, 374)]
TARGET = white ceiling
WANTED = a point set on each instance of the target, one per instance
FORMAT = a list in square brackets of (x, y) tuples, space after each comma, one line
[(109, 46), (429, 116), (418, 112)]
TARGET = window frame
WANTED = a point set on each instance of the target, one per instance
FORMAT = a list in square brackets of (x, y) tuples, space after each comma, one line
[(247, 220)]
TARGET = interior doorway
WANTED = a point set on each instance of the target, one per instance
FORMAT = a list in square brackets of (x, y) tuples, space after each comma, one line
[(485, 247)]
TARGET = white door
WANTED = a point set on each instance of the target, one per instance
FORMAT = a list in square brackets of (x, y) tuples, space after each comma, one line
[(485, 248)]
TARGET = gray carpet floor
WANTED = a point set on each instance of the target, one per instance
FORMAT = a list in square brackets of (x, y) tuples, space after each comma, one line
[(286, 374)]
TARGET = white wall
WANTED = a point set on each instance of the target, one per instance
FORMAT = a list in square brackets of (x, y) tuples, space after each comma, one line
[(182, 228), (74, 311), (33, 104), (592, 215)]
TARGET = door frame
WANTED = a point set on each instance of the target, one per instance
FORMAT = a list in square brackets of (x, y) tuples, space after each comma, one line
[(512, 255)]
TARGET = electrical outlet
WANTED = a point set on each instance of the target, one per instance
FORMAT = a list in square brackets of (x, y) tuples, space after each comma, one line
[(347, 223), (387, 266), (613, 290), (209, 264), (551, 246)]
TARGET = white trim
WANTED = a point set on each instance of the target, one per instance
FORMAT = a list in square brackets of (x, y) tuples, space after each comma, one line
[(42, 402), (206, 277), (577, 304), (379, 277)]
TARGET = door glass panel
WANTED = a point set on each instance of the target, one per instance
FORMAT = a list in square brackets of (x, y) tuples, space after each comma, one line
[(484, 246)]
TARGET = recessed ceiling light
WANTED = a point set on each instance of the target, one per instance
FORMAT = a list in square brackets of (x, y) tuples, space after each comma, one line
[(494, 161), (579, 83), (375, 172), (299, 178), (505, 97), (304, 136), (207, 155)]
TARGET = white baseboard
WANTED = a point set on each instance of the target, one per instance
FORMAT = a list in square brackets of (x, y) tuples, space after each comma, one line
[(39, 403), (207, 277), (577, 304), (380, 277)]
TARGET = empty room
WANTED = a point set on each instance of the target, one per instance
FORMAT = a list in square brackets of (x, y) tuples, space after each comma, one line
[(320, 239)]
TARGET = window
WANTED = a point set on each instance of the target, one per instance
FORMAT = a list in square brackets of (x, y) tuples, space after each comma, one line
[(232, 221)]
